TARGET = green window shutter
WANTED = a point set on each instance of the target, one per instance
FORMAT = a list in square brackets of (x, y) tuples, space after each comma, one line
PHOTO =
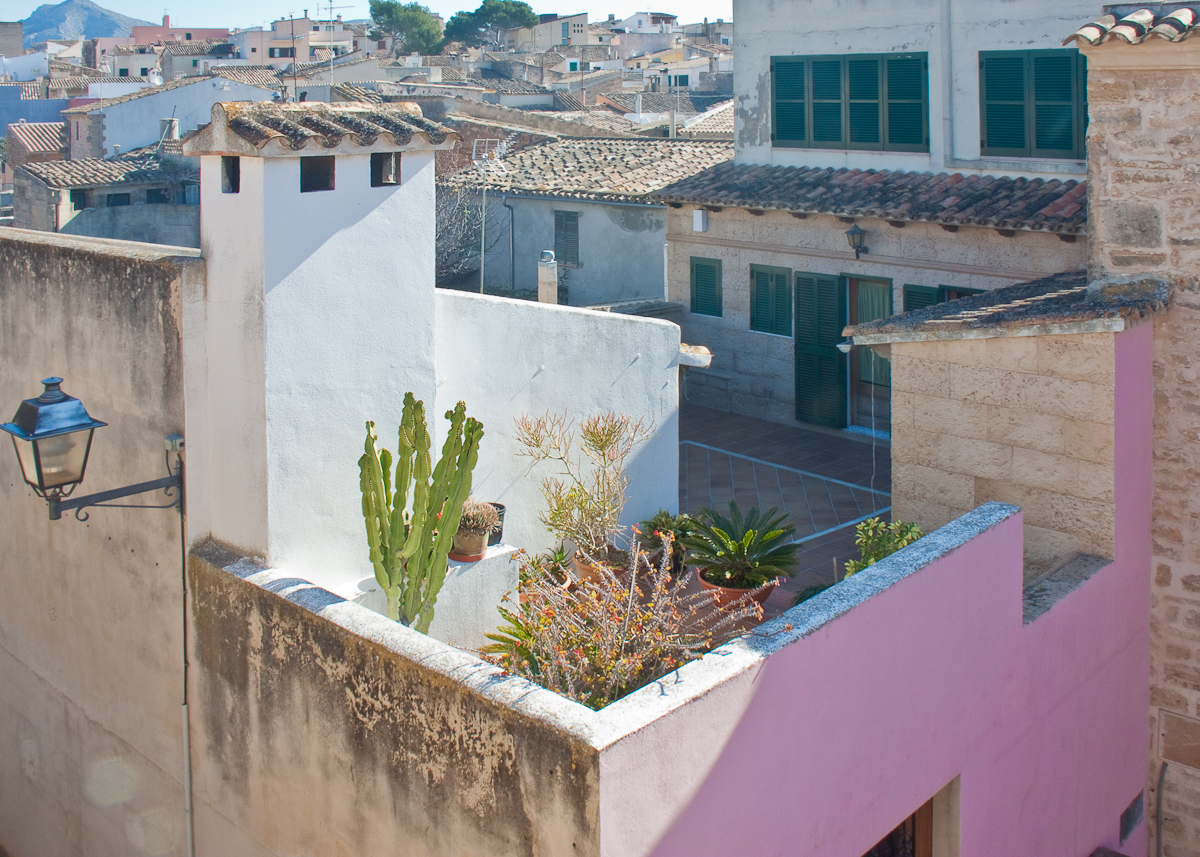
[(907, 114), (827, 102), (863, 125), (1032, 103), (770, 300), (789, 92), (706, 286), (820, 367), (919, 297), (566, 237)]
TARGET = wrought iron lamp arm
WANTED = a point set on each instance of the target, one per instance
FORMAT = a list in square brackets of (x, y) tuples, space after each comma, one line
[(168, 484)]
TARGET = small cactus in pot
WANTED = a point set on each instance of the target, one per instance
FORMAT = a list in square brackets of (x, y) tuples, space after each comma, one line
[(478, 521)]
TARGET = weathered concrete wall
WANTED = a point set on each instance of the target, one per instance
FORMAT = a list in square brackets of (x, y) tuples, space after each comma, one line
[(345, 733), (35, 206), (1142, 166), (91, 648), (620, 249), (1025, 420), (155, 223), (952, 32), (919, 254)]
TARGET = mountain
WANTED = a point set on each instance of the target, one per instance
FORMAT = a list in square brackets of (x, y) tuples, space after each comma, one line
[(76, 19)]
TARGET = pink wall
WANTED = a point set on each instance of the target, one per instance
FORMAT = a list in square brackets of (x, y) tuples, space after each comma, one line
[(836, 737)]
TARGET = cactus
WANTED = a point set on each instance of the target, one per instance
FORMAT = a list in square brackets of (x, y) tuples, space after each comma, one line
[(409, 543)]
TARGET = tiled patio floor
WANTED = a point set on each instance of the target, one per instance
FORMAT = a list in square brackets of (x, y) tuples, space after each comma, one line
[(823, 481)]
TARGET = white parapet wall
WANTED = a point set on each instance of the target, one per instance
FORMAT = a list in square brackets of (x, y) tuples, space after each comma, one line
[(505, 358)]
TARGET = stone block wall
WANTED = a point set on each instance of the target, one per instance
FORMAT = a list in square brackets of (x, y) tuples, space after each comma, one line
[(1024, 420), (1144, 179)]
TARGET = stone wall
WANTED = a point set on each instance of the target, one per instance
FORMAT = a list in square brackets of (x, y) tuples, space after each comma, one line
[(1143, 172), (155, 223), (754, 373), (1024, 420)]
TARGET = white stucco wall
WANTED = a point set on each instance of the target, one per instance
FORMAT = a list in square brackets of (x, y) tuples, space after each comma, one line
[(620, 248), (952, 32), (505, 358), (134, 123)]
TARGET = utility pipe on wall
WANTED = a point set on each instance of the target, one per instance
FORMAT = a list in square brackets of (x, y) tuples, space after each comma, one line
[(947, 82), (512, 261)]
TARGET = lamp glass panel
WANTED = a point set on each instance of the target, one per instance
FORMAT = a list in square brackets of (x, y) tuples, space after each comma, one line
[(28, 460), (62, 457)]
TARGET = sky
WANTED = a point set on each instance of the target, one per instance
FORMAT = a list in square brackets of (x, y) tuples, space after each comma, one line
[(252, 13)]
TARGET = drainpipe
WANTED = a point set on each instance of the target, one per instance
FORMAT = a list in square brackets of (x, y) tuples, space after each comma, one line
[(512, 261), (947, 83)]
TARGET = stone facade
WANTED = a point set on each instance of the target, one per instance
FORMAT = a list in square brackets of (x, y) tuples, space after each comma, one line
[(754, 373), (1026, 420), (1144, 165)]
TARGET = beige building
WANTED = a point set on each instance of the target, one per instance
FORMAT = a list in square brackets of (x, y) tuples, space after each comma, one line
[(551, 30)]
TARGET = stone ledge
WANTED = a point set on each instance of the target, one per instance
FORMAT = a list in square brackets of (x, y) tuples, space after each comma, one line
[(1044, 594)]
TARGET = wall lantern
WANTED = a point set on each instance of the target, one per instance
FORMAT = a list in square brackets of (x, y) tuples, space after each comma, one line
[(857, 238), (52, 435)]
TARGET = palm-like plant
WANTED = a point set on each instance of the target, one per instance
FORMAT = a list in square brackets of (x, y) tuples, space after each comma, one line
[(741, 551)]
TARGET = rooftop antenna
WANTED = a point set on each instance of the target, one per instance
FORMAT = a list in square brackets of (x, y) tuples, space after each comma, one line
[(485, 154), (330, 48)]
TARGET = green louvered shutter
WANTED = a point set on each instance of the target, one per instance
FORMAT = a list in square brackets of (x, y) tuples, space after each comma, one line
[(706, 286), (820, 367), (1002, 99), (864, 122), (770, 300), (566, 237), (783, 302), (907, 114), (789, 93), (919, 297), (827, 128), (1057, 99)]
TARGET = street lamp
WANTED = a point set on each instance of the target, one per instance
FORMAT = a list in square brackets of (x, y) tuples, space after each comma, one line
[(52, 435), (857, 238)]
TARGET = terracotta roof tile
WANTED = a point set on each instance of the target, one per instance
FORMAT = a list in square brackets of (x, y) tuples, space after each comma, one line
[(137, 167), (1138, 27), (661, 102), (40, 137), (326, 125), (609, 168), (255, 75), (716, 120), (952, 199), (142, 93)]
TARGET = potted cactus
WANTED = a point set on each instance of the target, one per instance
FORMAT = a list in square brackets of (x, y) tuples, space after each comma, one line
[(478, 520)]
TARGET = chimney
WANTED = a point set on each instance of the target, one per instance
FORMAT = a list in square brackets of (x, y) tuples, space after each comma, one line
[(637, 103), (168, 129), (166, 22), (547, 278)]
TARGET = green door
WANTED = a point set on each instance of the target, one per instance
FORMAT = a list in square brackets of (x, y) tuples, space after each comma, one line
[(820, 367)]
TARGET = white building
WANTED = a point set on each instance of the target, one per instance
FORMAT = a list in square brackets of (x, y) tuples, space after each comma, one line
[(286, 41), (552, 30), (650, 22)]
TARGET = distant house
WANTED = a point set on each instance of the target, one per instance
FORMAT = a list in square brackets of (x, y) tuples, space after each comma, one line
[(35, 142), (186, 59), (590, 201)]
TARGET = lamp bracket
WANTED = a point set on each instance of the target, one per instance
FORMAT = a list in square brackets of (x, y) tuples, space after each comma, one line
[(170, 485)]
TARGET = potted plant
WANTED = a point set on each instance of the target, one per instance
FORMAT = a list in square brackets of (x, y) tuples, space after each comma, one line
[(478, 520), (741, 555), (875, 540), (584, 506), (652, 531), (498, 533)]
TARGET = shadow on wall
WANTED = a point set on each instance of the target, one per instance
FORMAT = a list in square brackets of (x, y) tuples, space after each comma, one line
[(173, 225)]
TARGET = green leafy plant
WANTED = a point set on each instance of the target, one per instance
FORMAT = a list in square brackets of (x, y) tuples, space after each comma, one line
[(409, 529), (608, 637), (585, 506), (875, 540), (741, 552), (489, 21), (410, 24), (651, 531)]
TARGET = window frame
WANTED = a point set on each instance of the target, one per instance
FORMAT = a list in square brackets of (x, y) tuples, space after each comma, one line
[(231, 174), (1030, 106), (809, 102), (385, 169), (310, 175), (773, 325), (717, 296), (561, 242)]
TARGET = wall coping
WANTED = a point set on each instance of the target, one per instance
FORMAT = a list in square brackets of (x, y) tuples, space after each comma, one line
[(102, 246), (626, 716)]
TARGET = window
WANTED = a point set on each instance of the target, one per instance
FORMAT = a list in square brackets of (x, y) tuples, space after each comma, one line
[(382, 45), (280, 53), (771, 300), (122, 72), (231, 174), (78, 200), (145, 72), (919, 297), (187, 37), (254, 50), (875, 102), (1032, 103), (566, 237), (706, 286), (316, 174), (385, 169), (681, 80), (116, 199), (195, 63), (158, 195), (574, 66)]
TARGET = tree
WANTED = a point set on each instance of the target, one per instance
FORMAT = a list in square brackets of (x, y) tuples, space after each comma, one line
[(407, 23), (457, 233), (487, 22)]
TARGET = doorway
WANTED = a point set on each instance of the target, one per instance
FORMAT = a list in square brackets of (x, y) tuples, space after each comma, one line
[(870, 376)]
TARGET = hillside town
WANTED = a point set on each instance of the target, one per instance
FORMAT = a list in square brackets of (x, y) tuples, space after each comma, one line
[(578, 430)]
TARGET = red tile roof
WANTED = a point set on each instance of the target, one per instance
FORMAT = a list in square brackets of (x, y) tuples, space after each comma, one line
[(1138, 27)]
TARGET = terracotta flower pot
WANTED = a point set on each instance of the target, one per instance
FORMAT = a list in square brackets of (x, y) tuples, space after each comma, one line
[(468, 546), (723, 596)]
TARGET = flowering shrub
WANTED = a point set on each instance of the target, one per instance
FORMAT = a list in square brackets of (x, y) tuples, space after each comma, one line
[(604, 639)]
